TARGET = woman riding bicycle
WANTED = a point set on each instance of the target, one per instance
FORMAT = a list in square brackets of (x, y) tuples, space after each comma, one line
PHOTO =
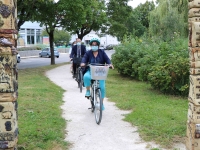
[(94, 56)]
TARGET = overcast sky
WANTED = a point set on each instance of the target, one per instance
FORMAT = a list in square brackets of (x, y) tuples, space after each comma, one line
[(135, 3)]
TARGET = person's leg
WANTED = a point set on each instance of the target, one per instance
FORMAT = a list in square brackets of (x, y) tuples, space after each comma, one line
[(87, 82), (74, 69), (103, 91)]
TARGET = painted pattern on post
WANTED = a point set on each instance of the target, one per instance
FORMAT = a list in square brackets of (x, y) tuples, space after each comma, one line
[(8, 75), (193, 123)]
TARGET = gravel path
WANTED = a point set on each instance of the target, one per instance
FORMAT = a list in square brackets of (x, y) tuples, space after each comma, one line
[(82, 131)]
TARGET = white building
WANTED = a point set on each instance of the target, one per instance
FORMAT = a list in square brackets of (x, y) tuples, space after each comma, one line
[(30, 34), (105, 40)]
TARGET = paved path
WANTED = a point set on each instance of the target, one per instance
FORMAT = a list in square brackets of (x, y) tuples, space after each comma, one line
[(82, 131)]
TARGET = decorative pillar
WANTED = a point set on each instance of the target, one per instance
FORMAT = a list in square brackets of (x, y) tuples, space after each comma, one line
[(8, 75), (193, 123)]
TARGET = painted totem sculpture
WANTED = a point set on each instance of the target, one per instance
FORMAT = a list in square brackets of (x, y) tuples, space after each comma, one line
[(193, 123), (8, 75)]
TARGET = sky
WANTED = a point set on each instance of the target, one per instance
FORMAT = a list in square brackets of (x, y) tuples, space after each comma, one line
[(135, 3)]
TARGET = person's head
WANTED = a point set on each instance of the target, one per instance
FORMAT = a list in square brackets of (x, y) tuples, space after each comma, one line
[(94, 43), (78, 41), (74, 43)]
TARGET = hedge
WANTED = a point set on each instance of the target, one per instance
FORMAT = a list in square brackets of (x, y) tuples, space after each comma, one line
[(164, 65)]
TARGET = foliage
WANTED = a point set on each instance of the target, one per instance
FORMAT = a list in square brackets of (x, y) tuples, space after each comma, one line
[(25, 10), (90, 15), (169, 16), (29, 48), (61, 37), (163, 64), (116, 23)]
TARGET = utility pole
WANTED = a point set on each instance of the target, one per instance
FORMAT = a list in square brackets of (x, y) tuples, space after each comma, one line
[(193, 122), (8, 75)]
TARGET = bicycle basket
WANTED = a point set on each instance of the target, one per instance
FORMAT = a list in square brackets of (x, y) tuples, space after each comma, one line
[(99, 72)]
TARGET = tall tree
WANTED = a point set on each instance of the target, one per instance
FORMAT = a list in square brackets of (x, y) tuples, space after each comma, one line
[(26, 10), (61, 37), (51, 15), (90, 16), (118, 13), (168, 18)]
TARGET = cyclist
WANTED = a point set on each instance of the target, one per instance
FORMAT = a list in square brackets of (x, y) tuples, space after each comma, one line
[(97, 56), (70, 50), (76, 55)]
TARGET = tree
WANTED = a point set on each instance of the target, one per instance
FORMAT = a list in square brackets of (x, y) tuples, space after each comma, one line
[(25, 10), (92, 16), (143, 12), (138, 22), (61, 37), (52, 15), (116, 23), (168, 18)]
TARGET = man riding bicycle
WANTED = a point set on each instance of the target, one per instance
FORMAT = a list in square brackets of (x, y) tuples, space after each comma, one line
[(94, 56), (76, 55)]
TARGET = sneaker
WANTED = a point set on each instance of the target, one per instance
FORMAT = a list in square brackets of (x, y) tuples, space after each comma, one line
[(87, 94), (103, 108)]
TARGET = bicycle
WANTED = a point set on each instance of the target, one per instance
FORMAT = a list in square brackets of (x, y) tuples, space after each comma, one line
[(79, 75), (79, 78), (98, 72)]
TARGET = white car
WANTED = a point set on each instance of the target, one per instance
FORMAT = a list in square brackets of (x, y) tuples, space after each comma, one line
[(18, 58)]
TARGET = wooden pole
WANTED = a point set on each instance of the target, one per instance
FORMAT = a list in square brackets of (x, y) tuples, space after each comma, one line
[(8, 75)]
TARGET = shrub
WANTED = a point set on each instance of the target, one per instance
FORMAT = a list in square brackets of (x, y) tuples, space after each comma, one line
[(28, 48), (163, 64)]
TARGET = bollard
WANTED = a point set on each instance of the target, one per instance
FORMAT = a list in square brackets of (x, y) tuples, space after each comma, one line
[(8, 75)]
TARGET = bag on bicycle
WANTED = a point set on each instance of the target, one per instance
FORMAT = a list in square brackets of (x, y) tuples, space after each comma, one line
[(77, 60)]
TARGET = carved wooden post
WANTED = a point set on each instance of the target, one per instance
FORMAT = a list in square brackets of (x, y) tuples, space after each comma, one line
[(193, 123), (8, 75)]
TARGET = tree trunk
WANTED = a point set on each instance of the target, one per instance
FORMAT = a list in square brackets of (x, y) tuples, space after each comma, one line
[(51, 42)]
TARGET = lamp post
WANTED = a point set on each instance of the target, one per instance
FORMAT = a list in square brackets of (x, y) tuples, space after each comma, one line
[(8, 75)]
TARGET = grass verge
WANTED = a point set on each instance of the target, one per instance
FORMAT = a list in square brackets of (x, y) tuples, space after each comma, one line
[(41, 126), (160, 118)]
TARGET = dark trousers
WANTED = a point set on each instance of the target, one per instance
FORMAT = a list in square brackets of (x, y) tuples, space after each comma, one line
[(74, 68)]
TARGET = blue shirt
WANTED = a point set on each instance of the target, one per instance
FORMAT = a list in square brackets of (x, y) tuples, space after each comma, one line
[(101, 58)]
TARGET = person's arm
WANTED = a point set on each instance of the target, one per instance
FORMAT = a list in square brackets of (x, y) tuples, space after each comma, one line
[(73, 52), (85, 59), (107, 59)]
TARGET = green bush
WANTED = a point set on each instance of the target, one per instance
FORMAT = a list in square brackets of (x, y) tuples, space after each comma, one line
[(29, 48), (163, 64)]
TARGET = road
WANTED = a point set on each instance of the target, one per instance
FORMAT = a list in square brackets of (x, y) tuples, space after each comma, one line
[(33, 62)]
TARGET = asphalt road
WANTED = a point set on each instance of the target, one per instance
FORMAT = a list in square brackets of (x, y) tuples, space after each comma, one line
[(33, 62)]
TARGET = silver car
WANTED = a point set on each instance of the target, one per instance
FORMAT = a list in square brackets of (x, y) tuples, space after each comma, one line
[(47, 53)]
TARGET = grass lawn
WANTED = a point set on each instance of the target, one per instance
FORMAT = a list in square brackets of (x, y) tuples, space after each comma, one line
[(41, 126), (160, 118)]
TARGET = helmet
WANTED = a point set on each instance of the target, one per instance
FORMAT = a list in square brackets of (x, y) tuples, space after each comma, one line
[(95, 40)]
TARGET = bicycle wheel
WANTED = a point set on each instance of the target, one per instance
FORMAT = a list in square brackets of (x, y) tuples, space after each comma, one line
[(92, 99), (80, 80), (98, 106)]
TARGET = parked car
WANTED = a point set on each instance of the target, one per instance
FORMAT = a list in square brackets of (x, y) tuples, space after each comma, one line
[(109, 47), (101, 47), (47, 53), (18, 58)]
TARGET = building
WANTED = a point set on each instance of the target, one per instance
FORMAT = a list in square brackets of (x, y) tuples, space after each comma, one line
[(30, 34), (105, 40)]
